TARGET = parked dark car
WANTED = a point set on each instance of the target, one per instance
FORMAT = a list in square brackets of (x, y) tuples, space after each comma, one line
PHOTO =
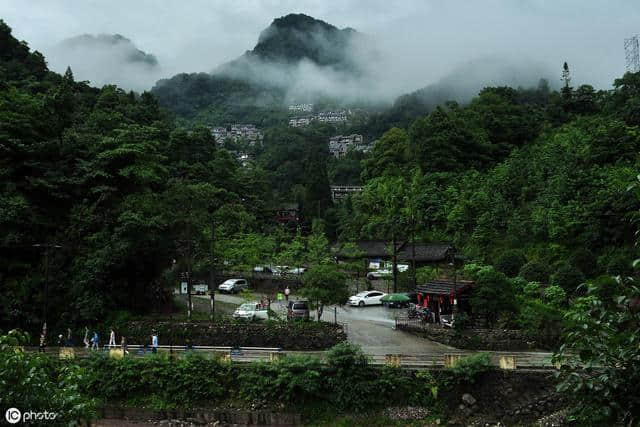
[(298, 310)]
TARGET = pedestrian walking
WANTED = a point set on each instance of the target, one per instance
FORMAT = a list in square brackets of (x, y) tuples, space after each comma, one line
[(123, 345), (154, 343), (112, 338), (43, 338), (287, 291), (69, 342), (95, 341), (280, 298), (86, 337)]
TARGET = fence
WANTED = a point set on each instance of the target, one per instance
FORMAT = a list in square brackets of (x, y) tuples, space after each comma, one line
[(502, 360)]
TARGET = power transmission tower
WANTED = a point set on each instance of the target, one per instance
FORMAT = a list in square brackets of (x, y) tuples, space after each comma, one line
[(632, 54)]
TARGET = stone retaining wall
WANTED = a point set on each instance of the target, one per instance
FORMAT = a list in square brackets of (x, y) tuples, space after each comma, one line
[(475, 339), (201, 416), (285, 335)]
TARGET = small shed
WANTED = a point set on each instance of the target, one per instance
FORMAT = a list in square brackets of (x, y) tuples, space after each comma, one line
[(441, 294)]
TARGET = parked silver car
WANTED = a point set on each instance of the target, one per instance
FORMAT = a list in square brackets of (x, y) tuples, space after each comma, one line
[(233, 286)]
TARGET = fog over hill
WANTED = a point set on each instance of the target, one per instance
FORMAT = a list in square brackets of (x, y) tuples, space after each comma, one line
[(105, 59), (419, 42)]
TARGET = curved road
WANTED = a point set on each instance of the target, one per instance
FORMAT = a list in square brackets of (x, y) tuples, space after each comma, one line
[(370, 327)]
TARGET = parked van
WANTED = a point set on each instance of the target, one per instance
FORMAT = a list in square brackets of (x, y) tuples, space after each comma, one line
[(298, 310)]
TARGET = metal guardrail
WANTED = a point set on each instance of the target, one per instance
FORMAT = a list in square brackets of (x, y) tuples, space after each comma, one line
[(503, 360)]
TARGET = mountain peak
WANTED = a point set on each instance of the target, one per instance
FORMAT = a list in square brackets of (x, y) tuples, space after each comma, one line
[(294, 37)]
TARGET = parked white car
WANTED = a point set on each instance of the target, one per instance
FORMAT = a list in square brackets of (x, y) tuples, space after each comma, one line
[(379, 274), (251, 311), (279, 270), (233, 286), (386, 272), (296, 270), (366, 298)]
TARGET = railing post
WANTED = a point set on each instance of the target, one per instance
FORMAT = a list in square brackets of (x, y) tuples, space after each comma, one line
[(507, 362)]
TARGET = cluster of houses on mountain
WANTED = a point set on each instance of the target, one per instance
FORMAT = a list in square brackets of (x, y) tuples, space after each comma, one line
[(300, 108), (340, 116), (339, 145), (237, 132)]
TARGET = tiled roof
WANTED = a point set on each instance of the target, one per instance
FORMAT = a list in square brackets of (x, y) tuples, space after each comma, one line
[(444, 287), (426, 252)]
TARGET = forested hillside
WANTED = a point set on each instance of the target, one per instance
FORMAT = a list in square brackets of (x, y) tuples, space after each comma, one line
[(517, 176), (106, 178), (542, 172)]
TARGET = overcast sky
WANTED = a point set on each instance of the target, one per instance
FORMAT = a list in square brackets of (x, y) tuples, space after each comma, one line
[(423, 39)]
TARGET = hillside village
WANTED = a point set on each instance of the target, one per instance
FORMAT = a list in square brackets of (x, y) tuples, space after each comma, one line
[(334, 117), (340, 145), (237, 132), (221, 251)]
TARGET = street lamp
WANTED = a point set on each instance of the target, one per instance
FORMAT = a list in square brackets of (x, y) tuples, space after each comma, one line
[(455, 283)]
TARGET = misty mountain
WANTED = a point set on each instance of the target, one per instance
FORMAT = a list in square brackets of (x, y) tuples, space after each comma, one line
[(105, 59), (295, 38), (296, 58)]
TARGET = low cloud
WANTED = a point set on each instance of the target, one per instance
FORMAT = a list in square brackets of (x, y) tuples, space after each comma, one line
[(105, 59), (420, 41)]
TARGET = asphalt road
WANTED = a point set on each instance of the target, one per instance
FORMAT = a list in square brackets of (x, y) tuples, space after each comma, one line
[(370, 327)]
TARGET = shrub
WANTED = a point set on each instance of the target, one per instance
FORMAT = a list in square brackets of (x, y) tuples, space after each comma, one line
[(510, 262), (189, 380), (555, 295), (567, 277), (40, 383), (345, 356), (532, 290), (468, 368), (462, 321), (541, 321), (294, 379), (535, 271)]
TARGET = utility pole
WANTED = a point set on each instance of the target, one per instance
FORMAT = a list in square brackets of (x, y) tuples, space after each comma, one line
[(189, 302), (212, 279), (395, 264), (47, 247)]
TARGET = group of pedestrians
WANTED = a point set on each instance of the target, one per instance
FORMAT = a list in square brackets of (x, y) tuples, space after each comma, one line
[(93, 343), (283, 297)]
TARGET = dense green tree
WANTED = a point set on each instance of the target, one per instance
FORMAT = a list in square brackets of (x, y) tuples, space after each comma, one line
[(493, 294), (600, 354), (567, 277), (535, 271), (324, 284), (389, 155), (510, 262)]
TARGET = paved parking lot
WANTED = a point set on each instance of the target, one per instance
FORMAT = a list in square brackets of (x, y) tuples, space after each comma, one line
[(370, 327)]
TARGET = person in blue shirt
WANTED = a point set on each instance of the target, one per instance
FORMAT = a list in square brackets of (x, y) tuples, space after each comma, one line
[(95, 341)]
